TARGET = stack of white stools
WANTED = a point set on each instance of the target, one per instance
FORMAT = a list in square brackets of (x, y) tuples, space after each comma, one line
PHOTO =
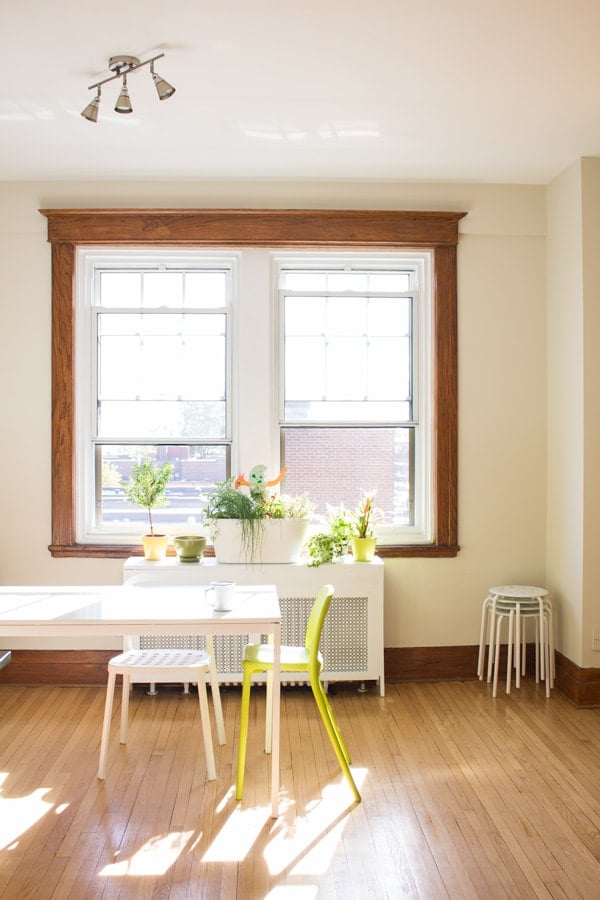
[(518, 605)]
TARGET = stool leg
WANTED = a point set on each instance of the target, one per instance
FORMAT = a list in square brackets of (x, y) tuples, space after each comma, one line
[(497, 656), (542, 640), (544, 626), (509, 650), (481, 657), (491, 641), (518, 647), (551, 645), (108, 705)]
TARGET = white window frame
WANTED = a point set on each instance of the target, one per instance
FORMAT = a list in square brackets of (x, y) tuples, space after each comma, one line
[(88, 260), (422, 373)]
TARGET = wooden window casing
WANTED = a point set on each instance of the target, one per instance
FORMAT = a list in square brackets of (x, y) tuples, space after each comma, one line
[(293, 229)]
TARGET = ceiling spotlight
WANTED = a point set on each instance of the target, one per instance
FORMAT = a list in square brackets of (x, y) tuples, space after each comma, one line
[(91, 111), (121, 67), (123, 104), (163, 88)]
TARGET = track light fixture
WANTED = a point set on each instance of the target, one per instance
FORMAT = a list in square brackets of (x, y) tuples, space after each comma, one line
[(122, 66)]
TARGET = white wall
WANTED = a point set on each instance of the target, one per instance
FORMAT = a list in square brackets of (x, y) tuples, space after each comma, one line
[(502, 386), (565, 407), (573, 574)]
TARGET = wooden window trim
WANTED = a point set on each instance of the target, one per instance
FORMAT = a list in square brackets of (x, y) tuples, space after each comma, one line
[(295, 229)]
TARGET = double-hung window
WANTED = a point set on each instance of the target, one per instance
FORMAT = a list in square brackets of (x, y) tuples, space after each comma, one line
[(355, 380), (153, 364), (320, 341)]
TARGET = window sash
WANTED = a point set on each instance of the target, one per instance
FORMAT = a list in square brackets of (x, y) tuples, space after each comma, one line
[(344, 421), (136, 309)]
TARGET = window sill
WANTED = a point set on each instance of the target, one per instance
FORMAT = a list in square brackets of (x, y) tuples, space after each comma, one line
[(123, 551)]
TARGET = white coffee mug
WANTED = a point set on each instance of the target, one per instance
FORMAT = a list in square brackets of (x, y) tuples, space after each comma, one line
[(224, 593)]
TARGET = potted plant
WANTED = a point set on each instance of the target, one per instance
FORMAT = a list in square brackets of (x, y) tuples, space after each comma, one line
[(331, 544), (363, 538), (248, 523), (346, 528), (147, 486)]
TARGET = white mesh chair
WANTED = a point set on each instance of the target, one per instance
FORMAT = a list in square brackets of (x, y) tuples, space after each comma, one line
[(132, 642), (158, 665)]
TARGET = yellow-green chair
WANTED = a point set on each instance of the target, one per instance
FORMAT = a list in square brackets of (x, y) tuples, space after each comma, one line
[(259, 658)]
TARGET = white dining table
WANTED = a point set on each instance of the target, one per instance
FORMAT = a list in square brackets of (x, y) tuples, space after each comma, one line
[(123, 610)]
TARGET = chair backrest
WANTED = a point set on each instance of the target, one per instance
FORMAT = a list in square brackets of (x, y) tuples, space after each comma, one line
[(314, 626)]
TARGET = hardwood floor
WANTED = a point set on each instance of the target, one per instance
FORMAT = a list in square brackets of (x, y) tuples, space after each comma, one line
[(463, 797)]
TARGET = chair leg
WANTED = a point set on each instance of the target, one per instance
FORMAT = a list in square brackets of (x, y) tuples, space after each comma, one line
[(214, 690), (243, 739), (108, 705), (125, 709), (335, 735), (206, 729)]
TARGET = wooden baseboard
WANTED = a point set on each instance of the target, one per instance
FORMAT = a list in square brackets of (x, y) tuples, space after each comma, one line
[(580, 686), (57, 667)]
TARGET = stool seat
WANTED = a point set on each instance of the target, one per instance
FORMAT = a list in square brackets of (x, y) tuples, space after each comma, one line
[(518, 604), (519, 591)]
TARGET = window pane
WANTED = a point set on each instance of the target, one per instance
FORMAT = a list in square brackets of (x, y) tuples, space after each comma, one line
[(336, 464), (195, 471), (161, 419), (389, 316), (305, 315), (206, 289), (120, 289), (162, 289), (390, 282), (346, 316)]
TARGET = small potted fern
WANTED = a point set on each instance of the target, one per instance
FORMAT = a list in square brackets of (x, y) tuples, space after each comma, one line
[(147, 486)]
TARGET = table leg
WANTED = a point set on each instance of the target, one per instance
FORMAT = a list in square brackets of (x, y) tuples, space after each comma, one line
[(276, 713)]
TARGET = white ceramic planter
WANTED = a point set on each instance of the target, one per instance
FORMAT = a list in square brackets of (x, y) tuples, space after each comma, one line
[(277, 541)]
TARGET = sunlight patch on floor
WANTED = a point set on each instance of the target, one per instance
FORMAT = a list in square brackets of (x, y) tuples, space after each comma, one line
[(155, 857), (238, 834), (18, 814), (306, 844)]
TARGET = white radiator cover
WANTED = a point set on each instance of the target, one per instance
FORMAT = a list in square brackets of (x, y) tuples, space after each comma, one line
[(352, 643)]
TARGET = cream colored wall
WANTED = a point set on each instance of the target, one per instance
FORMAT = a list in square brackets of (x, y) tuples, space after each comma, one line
[(565, 408), (591, 393), (502, 385), (573, 531)]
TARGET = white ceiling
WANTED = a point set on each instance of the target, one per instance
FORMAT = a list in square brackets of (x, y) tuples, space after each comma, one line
[(476, 90)]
